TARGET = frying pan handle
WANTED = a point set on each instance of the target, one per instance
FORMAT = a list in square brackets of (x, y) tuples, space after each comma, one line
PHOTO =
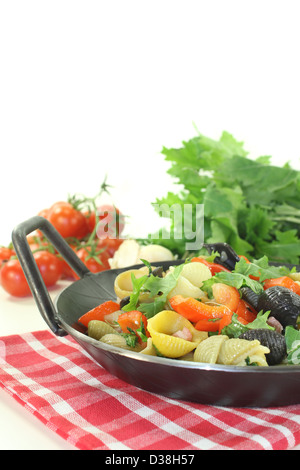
[(31, 271)]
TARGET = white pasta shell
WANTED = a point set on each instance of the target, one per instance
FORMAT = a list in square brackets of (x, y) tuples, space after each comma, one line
[(236, 350), (208, 351), (155, 253), (185, 288), (196, 273), (123, 282), (162, 328)]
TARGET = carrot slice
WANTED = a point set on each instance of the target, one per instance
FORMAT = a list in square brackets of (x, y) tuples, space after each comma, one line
[(99, 312)]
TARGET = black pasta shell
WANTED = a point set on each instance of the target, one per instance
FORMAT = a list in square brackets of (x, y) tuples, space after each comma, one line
[(283, 303), (250, 296), (272, 340)]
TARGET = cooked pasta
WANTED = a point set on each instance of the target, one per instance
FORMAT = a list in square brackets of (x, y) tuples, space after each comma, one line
[(182, 322), (190, 281), (234, 351), (149, 349), (118, 341), (123, 283), (208, 351), (173, 335), (97, 329)]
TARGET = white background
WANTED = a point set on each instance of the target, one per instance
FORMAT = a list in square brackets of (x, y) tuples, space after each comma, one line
[(89, 88), (95, 88)]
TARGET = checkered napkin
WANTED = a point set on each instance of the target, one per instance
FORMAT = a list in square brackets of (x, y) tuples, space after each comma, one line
[(54, 379)]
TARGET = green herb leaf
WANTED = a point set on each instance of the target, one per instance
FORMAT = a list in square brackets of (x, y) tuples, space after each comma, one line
[(249, 203), (292, 339), (158, 289), (236, 328)]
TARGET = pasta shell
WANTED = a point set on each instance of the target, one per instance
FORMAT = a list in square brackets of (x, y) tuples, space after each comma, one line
[(236, 350), (190, 281), (118, 341), (97, 329), (196, 273), (155, 253), (185, 288), (162, 328), (123, 283), (149, 349), (208, 351)]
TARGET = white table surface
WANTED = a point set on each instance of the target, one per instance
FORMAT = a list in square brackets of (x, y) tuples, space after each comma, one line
[(19, 429)]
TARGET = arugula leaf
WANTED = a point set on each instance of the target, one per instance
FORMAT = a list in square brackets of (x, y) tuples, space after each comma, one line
[(234, 279), (137, 284), (260, 268), (131, 339), (158, 289), (292, 339), (236, 328)]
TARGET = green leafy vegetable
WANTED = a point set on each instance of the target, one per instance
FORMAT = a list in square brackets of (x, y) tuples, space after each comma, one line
[(236, 328), (158, 289), (248, 203), (292, 339), (239, 277)]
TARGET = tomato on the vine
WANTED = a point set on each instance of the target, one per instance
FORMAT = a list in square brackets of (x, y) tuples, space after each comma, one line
[(49, 266), (94, 260), (5, 254), (110, 245), (67, 220), (13, 279)]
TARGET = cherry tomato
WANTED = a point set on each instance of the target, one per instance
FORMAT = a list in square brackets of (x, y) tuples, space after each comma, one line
[(110, 245), (95, 262), (68, 221), (49, 266), (5, 254), (90, 220), (13, 279), (111, 222)]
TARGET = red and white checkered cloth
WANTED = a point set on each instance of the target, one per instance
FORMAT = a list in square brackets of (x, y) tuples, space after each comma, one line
[(54, 379)]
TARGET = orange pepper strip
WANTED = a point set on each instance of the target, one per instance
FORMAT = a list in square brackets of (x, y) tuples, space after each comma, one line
[(284, 281), (99, 312), (194, 310)]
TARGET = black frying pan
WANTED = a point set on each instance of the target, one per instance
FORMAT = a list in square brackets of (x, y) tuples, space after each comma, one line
[(177, 379)]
